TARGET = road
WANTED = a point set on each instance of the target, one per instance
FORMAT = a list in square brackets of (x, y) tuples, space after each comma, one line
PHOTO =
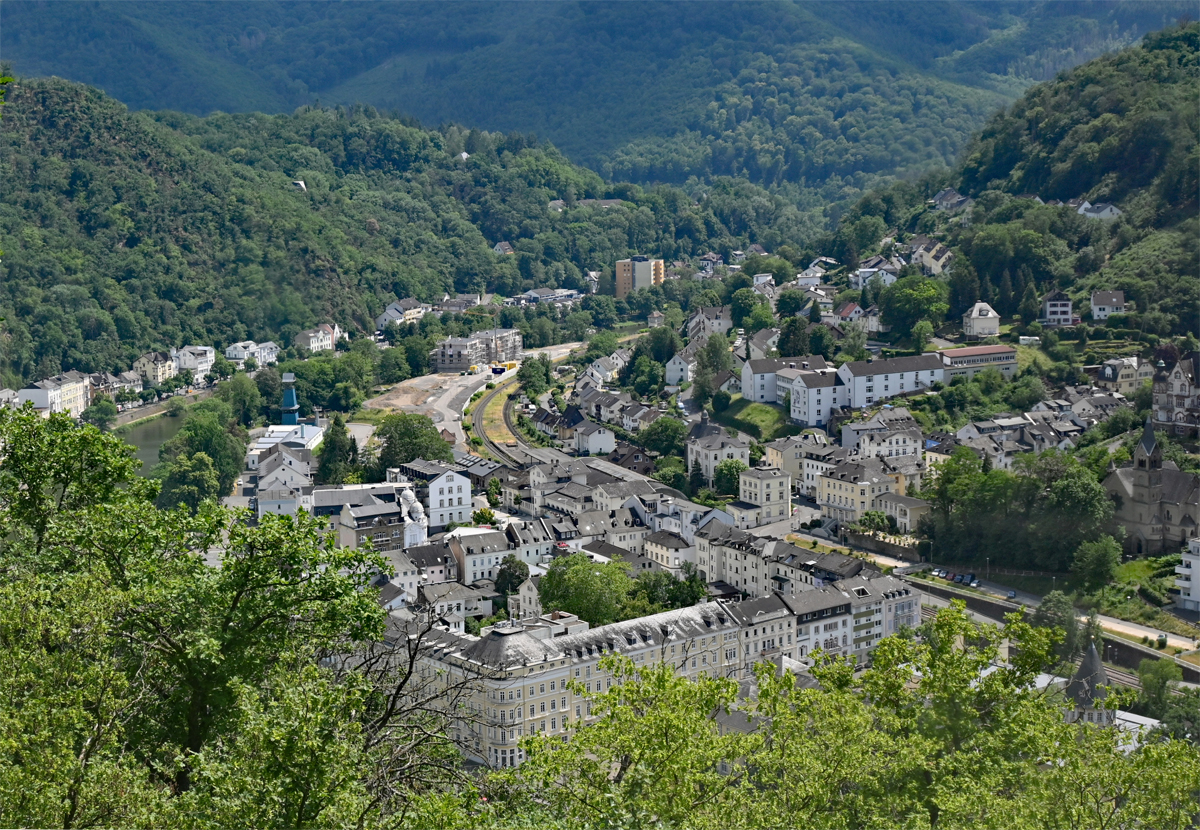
[(1124, 627), (443, 397)]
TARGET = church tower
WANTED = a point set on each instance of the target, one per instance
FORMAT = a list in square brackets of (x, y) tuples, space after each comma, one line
[(1147, 469), (1088, 689)]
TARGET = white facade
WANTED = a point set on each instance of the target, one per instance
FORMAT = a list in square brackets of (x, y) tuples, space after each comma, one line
[(981, 320), (711, 451), (1187, 577), (870, 381), (1105, 303), (198, 359), (449, 499), (679, 369), (319, 339), (815, 395), (593, 439)]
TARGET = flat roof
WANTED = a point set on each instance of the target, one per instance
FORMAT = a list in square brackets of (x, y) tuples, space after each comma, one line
[(971, 351)]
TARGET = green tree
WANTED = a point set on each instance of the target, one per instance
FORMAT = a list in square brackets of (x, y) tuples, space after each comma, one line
[(1029, 309), (483, 516), (222, 368), (720, 400), (727, 476), (1056, 612), (405, 436), (921, 334), (336, 455), (743, 302), (821, 341), (647, 376), (495, 491), (1156, 677), (758, 319), (1096, 562), (854, 343), (874, 521), (535, 376), (191, 480), (101, 413), (592, 591), (790, 303), (206, 430), (793, 337), (914, 298), (243, 397), (511, 574)]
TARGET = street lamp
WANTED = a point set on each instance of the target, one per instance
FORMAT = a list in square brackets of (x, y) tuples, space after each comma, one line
[(989, 567)]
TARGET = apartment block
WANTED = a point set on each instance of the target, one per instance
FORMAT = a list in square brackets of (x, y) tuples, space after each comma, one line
[(638, 272)]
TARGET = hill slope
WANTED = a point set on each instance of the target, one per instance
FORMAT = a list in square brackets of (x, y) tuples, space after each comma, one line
[(128, 231), (653, 91), (1123, 128)]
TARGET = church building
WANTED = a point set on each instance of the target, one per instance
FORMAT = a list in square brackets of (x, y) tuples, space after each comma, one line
[(1157, 503)]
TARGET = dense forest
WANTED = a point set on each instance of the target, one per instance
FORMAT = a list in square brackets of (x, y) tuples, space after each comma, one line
[(806, 93), (1123, 128), (128, 231)]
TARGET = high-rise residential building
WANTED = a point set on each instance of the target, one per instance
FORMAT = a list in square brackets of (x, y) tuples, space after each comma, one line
[(638, 272)]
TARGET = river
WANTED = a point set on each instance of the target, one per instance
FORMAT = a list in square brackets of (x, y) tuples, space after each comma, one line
[(148, 436)]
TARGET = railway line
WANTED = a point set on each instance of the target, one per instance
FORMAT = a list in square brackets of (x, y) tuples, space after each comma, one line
[(494, 449)]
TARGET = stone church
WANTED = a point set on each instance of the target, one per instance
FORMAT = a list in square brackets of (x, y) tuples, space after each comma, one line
[(1156, 502)]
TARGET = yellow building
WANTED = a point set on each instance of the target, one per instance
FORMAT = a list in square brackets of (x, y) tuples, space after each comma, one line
[(638, 272)]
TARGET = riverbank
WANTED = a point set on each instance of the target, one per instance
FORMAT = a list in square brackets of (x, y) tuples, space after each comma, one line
[(132, 417)]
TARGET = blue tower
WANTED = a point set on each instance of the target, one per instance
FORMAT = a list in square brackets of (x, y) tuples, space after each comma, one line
[(290, 408)]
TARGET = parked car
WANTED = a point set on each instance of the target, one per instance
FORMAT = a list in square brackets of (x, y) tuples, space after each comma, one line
[(970, 578), (950, 576), (974, 583), (1011, 595), (937, 572), (958, 579)]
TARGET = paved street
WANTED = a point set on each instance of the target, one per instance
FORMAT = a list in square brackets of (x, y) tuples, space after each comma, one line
[(1129, 629)]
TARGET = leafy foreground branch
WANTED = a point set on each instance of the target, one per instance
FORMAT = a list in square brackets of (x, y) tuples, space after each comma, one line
[(169, 669)]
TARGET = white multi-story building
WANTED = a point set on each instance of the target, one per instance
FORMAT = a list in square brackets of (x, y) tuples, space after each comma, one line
[(770, 379), (708, 452), (1187, 577), (764, 496), (196, 359), (264, 354), (869, 381), (319, 339), (815, 396)]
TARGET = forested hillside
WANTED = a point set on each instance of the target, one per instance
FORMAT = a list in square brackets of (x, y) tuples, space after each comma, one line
[(1123, 129), (128, 231), (811, 93)]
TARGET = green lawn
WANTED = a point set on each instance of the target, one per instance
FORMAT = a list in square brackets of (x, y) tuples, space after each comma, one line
[(764, 421)]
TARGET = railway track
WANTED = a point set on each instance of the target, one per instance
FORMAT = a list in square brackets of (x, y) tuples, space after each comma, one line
[(497, 452)]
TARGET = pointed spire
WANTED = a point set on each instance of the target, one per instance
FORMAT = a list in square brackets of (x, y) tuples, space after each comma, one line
[(1090, 683), (1148, 442)]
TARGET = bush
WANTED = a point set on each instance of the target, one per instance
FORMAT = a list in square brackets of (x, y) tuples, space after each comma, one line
[(720, 400)]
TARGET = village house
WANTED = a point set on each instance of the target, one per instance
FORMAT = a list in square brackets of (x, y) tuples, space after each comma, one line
[(1056, 309), (1105, 303), (981, 320)]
